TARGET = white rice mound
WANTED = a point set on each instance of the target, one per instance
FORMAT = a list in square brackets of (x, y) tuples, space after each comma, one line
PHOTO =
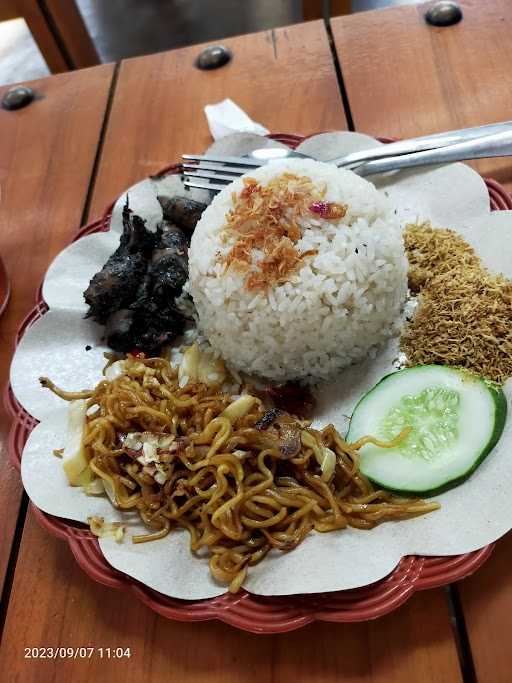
[(334, 311)]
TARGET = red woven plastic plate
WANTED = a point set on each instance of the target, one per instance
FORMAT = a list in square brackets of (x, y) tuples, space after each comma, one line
[(246, 611)]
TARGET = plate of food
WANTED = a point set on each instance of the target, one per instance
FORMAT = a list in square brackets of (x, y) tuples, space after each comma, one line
[(284, 402)]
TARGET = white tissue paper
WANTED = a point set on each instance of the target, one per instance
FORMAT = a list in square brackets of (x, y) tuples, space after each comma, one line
[(471, 515), (226, 117)]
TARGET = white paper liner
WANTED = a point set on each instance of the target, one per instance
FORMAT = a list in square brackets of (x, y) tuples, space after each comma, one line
[(471, 516)]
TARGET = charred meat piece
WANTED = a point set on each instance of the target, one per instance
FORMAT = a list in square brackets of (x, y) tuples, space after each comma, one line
[(146, 329), (169, 263), (142, 297), (115, 285), (157, 321), (119, 330), (146, 326), (156, 326), (138, 238), (182, 211), (136, 290), (172, 237)]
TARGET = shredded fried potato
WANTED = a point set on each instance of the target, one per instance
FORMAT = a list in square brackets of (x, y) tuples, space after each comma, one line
[(267, 218), (433, 252), (465, 313)]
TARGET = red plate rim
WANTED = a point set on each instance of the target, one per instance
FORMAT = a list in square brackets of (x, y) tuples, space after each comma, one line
[(254, 613), (5, 287)]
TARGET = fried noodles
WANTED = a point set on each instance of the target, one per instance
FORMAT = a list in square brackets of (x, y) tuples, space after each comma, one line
[(239, 481)]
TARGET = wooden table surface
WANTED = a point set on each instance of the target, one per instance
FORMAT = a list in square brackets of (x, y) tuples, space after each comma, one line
[(71, 152)]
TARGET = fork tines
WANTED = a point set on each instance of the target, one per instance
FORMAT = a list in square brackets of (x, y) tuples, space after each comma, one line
[(200, 170), (225, 160)]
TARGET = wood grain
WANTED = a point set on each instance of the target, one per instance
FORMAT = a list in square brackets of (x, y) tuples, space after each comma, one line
[(42, 34), (313, 9), (486, 599), (70, 610), (58, 29), (72, 32), (283, 78), (47, 151), (9, 10), (340, 7), (404, 78)]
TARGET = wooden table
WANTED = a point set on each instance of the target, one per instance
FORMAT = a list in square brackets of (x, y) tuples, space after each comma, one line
[(93, 133)]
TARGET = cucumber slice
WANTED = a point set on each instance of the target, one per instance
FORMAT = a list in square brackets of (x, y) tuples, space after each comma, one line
[(456, 419)]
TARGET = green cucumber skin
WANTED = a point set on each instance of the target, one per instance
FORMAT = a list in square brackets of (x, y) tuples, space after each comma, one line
[(500, 413)]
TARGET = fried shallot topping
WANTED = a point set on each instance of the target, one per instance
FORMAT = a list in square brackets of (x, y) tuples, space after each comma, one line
[(328, 210), (268, 219)]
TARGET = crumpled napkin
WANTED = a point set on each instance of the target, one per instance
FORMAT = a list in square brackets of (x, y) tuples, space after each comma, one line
[(226, 117)]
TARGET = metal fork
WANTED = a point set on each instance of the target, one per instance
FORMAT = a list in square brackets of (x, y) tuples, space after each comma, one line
[(214, 172)]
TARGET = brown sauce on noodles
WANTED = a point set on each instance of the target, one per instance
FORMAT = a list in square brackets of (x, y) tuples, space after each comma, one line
[(221, 475)]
